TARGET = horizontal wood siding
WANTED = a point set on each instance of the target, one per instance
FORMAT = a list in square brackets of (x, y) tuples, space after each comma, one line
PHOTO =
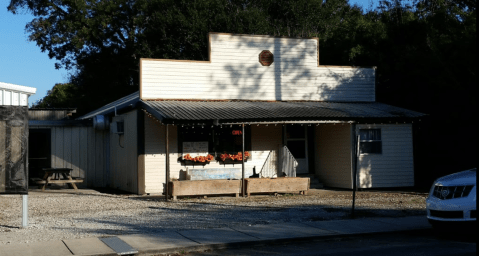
[(155, 156), (263, 140), (83, 150), (394, 167), (123, 154), (333, 155), (234, 72)]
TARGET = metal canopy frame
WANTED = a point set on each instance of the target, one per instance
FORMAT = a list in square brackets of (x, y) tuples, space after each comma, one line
[(266, 121)]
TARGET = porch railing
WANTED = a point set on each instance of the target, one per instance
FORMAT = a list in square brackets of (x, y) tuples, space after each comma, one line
[(287, 162), (279, 163), (269, 166)]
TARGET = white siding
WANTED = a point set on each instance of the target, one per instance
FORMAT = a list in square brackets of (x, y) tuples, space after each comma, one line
[(333, 155), (11, 98), (263, 140), (155, 163), (234, 72), (394, 167), (15, 95), (123, 154), (7, 98)]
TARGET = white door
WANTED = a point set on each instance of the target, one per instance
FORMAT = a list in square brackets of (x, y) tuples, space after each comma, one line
[(296, 139)]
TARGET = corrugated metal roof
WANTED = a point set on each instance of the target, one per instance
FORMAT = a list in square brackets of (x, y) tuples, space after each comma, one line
[(262, 111), (131, 99)]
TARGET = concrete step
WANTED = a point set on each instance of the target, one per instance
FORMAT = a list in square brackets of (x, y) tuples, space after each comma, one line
[(316, 186), (313, 180)]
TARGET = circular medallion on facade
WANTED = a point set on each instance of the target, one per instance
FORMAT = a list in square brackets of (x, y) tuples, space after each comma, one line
[(266, 58)]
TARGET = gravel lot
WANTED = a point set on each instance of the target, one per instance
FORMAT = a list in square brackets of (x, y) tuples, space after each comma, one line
[(66, 214)]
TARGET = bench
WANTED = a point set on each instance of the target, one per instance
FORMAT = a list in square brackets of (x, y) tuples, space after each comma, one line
[(57, 176)]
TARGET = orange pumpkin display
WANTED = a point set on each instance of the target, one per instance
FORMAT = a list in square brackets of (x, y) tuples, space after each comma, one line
[(209, 157), (201, 159), (237, 157)]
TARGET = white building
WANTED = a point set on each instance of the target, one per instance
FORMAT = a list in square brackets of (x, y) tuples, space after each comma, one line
[(288, 103)]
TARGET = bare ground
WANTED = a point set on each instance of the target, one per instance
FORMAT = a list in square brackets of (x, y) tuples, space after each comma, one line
[(66, 214)]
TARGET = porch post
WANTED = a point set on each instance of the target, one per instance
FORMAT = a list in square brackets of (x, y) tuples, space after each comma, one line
[(242, 162), (355, 171), (24, 211), (167, 168)]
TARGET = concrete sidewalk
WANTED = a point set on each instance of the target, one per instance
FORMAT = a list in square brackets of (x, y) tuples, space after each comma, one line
[(203, 239)]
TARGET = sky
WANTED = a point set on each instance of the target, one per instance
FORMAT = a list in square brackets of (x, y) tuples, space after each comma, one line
[(23, 63)]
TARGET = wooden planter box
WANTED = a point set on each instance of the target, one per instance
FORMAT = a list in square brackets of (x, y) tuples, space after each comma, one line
[(229, 161), (284, 185), (189, 162), (204, 187)]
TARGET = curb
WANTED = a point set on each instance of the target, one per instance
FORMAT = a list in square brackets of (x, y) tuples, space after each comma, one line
[(220, 246)]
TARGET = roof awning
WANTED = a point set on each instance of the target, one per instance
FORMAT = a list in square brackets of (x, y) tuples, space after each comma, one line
[(257, 112)]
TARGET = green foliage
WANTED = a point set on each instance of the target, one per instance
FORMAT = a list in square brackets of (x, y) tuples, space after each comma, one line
[(60, 96)]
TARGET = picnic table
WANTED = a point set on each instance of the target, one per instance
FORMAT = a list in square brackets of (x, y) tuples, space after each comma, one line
[(57, 175)]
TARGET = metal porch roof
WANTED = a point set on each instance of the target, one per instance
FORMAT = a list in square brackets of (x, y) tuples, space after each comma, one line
[(121, 103), (254, 111)]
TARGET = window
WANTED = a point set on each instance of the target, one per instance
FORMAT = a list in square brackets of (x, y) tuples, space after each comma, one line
[(229, 139), (370, 141), (195, 134), (220, 139)]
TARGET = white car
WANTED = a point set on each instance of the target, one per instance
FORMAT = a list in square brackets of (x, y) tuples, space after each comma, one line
[(452, 199)]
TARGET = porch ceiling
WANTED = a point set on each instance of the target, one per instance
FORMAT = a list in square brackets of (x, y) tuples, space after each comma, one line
[(221, 112)]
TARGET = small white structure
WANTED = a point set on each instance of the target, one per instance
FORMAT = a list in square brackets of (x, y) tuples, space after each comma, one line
[(14, 142), (15, 95), (296, 112), (14, 137)]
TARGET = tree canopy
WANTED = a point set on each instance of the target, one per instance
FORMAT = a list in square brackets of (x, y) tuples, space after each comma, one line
[(425, 50)]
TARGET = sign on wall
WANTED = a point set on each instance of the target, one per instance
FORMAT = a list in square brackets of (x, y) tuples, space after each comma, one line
[(196, 148), (266, 58), (13, 150)]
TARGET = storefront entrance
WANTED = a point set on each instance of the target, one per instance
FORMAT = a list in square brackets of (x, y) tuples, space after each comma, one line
[(296, 139)]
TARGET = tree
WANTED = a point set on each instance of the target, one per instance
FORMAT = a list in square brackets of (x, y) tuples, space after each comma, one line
[(425, 50), (101, 41), (425, 53), (60, 96)]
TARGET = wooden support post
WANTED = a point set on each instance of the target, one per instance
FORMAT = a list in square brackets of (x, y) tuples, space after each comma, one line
[(167, 167), (242, 162), (355, 170)]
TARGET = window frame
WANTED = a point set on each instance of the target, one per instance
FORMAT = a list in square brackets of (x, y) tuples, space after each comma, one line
[(374, 140), (212, 138)]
